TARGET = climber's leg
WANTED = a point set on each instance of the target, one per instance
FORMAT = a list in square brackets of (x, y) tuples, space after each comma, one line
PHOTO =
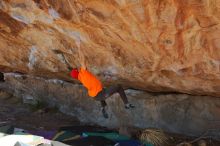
[(2, 79), (107, 92)]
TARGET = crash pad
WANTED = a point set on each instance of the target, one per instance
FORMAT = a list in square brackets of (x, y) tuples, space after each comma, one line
[(91, 141), (111, 135), (65, 135), (11, 140), (80, 129), (43, 133)]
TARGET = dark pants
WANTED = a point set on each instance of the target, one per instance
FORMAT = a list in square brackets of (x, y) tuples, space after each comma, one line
[(2, 77), (107, 92)]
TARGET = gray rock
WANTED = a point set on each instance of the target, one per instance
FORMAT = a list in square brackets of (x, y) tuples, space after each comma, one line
[(177, 113)]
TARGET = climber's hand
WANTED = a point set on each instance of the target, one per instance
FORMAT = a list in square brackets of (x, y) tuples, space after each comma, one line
[(70, 68)]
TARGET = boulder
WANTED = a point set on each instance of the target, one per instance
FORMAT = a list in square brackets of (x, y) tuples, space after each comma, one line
[(151, 45)]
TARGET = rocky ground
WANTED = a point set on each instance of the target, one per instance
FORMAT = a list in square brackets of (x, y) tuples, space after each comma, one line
[(13, 111)]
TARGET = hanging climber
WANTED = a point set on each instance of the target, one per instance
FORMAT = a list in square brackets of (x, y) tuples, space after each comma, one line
[(96, 90), (94, 86)]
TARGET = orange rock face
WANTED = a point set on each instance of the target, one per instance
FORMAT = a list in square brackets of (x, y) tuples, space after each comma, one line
[(154, 45)]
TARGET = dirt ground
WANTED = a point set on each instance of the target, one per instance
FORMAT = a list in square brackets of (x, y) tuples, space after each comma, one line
[(28, 117), (14, 112)]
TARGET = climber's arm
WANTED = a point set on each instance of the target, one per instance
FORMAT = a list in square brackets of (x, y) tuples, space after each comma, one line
[(82, 59), (64, 58), (66, 62)]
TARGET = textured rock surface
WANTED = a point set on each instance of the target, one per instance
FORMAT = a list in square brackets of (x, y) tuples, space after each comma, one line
[(154, 45), (179, 113)]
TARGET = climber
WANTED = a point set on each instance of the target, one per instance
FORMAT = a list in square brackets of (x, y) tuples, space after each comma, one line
[(2, 79), (93, 85), (96, 90)]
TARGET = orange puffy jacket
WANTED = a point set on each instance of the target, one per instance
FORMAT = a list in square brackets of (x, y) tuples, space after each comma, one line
[(93, 85)]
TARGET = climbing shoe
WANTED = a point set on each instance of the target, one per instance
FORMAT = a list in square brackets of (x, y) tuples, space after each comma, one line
[(104, 113), (129, 106)]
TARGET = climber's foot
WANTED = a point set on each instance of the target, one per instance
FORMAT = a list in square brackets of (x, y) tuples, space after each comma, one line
[(129, 106)]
